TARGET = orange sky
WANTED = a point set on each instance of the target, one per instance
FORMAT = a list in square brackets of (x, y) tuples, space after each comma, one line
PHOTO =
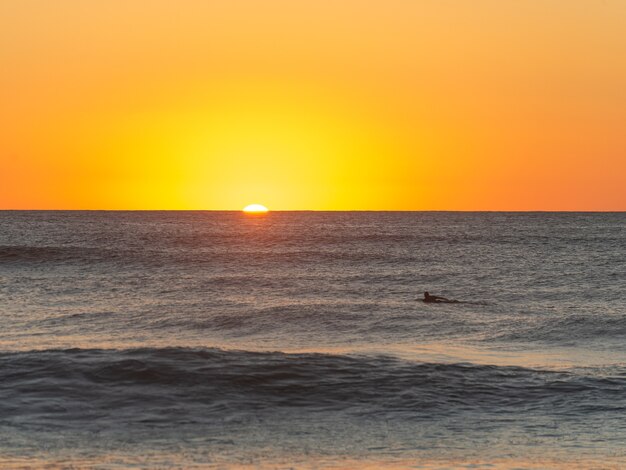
[(313, 104)]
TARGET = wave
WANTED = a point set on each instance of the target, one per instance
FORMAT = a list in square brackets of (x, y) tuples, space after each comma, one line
[(567, 329), (47, 254), (183, 383), (199, 255)]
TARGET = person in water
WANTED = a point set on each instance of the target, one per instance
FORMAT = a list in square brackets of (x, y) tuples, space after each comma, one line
[(435, 299)]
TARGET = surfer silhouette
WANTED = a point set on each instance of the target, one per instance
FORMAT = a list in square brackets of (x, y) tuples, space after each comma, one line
[(437, 299)]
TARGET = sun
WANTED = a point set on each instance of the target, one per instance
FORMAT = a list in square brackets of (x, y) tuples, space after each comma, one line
[(255, 209)]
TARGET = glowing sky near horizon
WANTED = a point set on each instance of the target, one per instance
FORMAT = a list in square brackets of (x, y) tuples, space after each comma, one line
[(314, 104)]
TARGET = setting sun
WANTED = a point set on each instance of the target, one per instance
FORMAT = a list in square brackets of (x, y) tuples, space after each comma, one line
[(255, 208)]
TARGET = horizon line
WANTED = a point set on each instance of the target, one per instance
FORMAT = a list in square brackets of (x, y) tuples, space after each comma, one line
[(326, 210)]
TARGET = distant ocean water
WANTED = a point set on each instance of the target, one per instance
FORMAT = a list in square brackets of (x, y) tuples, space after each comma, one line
[(218, 339)]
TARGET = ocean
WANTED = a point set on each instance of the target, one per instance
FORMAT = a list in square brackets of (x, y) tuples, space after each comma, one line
[(298, 340)]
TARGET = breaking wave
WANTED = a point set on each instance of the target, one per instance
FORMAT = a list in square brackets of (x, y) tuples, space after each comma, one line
[(182, 384)]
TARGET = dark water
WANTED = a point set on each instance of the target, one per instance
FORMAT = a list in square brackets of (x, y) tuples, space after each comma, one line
[(182, 339)]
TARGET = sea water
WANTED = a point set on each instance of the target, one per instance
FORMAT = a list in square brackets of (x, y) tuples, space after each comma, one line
[(297, 339)]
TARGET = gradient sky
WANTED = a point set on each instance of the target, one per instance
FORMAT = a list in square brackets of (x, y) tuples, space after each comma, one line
[(313, 104)]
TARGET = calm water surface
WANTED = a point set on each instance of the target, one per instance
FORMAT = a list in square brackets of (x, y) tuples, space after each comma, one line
[(218, 339)]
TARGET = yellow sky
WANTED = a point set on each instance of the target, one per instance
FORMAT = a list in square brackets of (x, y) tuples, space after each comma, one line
[(313, 104)]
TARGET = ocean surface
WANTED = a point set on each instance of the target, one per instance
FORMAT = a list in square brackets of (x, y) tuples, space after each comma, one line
[(296, 340)]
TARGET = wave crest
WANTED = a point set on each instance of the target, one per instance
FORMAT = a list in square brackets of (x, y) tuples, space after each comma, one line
[(217, 382)]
